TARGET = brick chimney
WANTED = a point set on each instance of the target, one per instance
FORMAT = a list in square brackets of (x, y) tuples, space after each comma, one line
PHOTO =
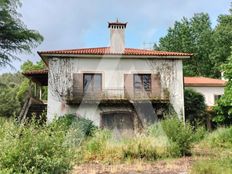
[(117, 36)]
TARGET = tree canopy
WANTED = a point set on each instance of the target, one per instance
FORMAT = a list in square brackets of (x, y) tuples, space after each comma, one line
[(15, 37), (210, 46), (194, 36), (222, 39)]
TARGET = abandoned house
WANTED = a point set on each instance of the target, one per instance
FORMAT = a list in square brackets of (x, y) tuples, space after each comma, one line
[(115, 86)]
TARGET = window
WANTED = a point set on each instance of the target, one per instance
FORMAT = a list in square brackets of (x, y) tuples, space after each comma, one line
[(142, 82), (92, 83), (216, 98)]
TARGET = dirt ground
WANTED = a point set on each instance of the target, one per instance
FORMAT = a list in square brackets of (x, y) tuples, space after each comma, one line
[(174, 166)]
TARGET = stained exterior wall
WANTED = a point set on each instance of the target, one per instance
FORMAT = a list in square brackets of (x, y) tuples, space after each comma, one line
[(61, 71), (209, 93)]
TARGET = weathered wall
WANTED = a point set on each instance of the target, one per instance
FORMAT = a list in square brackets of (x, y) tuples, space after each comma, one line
[(208, 93), (113, 70)]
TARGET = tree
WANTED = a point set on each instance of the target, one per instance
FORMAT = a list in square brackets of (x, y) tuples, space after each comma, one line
[(223, 108), (192, 35), (15, 37), (195, 108), (222, 39), (9, 104), (28, 65)]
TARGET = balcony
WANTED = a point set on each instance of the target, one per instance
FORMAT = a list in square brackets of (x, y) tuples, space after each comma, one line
[(118, 95)]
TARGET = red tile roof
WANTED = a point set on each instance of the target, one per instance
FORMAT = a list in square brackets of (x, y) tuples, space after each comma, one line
[(106, 51), (203, 82)]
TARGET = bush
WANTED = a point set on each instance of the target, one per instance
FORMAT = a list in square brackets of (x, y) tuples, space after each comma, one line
[(33, 149), (199, 134), (72, 121), (195, 108), (180, 136)]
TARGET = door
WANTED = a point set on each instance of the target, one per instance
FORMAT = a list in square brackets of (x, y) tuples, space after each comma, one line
[(119, 121)]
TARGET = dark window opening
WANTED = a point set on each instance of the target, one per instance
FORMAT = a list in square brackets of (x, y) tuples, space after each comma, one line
[(142, 82), (92, 83), (216, 98)]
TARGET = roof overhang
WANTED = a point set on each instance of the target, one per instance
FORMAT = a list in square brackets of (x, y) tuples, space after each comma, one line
[(46, 56), (204, 85), (37, 76)]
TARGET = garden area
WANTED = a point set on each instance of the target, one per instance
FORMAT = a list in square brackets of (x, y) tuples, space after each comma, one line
[(75, 145)]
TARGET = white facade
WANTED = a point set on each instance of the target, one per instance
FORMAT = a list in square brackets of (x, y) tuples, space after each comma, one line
[(112, 69), (209, 93)]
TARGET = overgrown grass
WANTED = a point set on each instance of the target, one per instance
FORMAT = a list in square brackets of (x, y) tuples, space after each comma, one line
[(219, 143), (220, 138), (168, 138), (55, 147), (213, 166)]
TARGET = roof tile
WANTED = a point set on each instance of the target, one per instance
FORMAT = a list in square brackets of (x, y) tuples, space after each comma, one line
[(203, 81), (106, 51)]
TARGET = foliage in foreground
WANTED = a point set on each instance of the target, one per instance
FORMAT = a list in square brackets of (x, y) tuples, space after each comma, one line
[(32, 149), (39, 149), (55, 147)]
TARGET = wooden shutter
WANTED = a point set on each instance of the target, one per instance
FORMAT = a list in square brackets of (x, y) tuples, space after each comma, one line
[(77, 86), (128, 86), (155, 86)]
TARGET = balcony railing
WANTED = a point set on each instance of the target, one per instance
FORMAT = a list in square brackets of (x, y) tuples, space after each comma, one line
[(118, 94)]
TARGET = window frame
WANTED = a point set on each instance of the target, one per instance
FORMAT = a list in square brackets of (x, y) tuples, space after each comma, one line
[(92, 81), (141, 75)]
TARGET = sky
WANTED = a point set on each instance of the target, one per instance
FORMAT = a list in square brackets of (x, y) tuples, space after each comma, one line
[(69, 24)]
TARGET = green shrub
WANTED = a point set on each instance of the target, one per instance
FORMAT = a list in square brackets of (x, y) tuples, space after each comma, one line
[(179, 135), (33, 149), (83, 125), (195, 108), (199, 134)]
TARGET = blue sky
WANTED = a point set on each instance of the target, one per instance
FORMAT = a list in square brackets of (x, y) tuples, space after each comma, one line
[(83, 23)]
